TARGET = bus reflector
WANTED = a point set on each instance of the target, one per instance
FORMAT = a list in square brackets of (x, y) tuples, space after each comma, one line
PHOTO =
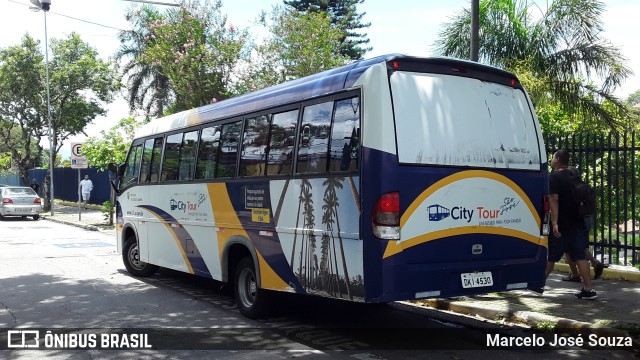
[(386, 217)]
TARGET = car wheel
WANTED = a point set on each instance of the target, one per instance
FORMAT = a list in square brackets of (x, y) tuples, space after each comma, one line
[(131, 259), (36, 217), (252, 301)]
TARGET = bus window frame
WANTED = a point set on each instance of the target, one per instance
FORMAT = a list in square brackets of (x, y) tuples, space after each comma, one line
[(134, 143), (294, 174)]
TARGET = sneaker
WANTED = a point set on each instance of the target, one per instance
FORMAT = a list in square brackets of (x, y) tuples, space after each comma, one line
[(571, 278), (598, 270), (587, 295), (539, 291)]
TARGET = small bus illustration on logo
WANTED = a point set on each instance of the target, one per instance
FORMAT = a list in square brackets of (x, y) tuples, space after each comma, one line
[(438, 212)]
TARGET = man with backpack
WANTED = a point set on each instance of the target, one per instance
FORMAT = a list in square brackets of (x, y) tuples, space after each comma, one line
[(568, 229), (586, 199)]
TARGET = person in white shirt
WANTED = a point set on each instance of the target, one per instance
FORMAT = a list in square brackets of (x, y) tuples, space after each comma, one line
[(85, 189)]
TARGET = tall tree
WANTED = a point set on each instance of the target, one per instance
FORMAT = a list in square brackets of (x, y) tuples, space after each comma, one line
[(563, 49), (22, 107), (297, 45), (197, 51), (148, 89), (344, 16), (81, 84), (110, 146)]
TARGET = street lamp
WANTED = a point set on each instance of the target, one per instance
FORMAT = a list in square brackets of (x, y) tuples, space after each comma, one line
[(45, 5)]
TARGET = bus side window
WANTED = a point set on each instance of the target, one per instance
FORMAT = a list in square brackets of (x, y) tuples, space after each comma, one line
[(281, 143), (208, 156), (314, 141), (188, 156), (254, 146), (171, 157), (133, 166), (155, 160), (145, 168), (230, 137), (345, 136)]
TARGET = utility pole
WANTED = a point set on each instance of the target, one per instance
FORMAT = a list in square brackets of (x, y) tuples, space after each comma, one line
[(475, 29)]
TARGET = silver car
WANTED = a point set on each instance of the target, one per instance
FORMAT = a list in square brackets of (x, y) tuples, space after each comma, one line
[(20, 201)]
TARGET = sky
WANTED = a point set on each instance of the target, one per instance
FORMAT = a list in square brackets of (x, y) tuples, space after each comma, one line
[(401, 26)]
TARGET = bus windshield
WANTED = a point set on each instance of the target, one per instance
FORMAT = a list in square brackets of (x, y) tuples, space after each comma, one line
[(463, 122)]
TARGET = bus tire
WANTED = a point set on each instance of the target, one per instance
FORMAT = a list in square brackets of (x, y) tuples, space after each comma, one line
[(251, 301), (36, 217), (131, 259)]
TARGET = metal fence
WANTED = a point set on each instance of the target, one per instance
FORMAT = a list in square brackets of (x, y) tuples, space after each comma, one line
[(611, 164)]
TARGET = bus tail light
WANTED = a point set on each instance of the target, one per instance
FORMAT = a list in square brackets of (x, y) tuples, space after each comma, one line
[(546, 216), (386, 217)]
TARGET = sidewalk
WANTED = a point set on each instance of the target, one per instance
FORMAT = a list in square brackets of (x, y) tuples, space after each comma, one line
[(616, 310), (90, 218)]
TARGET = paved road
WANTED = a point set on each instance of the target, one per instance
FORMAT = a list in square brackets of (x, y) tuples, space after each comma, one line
[(62, 278)]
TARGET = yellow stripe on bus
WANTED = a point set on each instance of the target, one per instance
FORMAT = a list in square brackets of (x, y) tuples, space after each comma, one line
[(268, 278), (227, 222), (393, 247), (229, 225)]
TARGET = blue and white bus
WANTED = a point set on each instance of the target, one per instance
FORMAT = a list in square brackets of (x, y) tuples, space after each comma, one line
[(387, 179)]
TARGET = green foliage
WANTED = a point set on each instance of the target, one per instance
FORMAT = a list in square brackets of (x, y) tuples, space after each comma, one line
[(5, 162), (299, 45), (546, 326), (81, 83), (22, 109), (344, 16), (148, 88), (196, 50), (107, 210), (561, 50), (112, 145)]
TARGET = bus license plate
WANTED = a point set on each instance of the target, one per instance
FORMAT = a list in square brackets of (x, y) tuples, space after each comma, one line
[(472, 280)]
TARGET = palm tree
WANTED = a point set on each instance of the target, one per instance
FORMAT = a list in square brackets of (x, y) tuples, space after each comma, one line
[(330, 208), (561, 49), (148, 89)]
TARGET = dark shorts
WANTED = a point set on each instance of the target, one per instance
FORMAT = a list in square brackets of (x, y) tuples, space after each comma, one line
[(572, 242)]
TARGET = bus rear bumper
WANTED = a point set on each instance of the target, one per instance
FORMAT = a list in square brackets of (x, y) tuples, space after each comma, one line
[(420, 281)]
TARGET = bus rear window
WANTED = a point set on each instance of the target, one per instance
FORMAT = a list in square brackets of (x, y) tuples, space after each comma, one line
[(460, 121)]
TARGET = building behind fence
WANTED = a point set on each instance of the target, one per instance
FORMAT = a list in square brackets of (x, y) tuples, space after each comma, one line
[(611, 164)]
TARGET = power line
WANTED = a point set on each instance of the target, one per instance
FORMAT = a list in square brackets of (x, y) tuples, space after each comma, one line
[(70, 17), (87, 21), (152, 2)]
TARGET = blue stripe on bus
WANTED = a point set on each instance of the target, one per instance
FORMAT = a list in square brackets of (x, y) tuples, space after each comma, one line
[(269, 247), (195, 260)]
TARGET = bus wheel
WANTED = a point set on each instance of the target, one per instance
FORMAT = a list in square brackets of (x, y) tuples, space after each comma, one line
[(36, 217), (131, 259), (252, 301)]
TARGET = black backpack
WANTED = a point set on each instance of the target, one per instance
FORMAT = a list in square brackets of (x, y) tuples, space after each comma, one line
[(583, 194)]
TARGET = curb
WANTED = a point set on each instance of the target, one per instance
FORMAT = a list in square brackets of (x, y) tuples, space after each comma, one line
[(84, 226), (529, 318), (608, 273)]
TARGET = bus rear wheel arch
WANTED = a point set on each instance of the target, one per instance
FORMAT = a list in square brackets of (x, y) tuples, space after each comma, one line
[(131, 259)]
